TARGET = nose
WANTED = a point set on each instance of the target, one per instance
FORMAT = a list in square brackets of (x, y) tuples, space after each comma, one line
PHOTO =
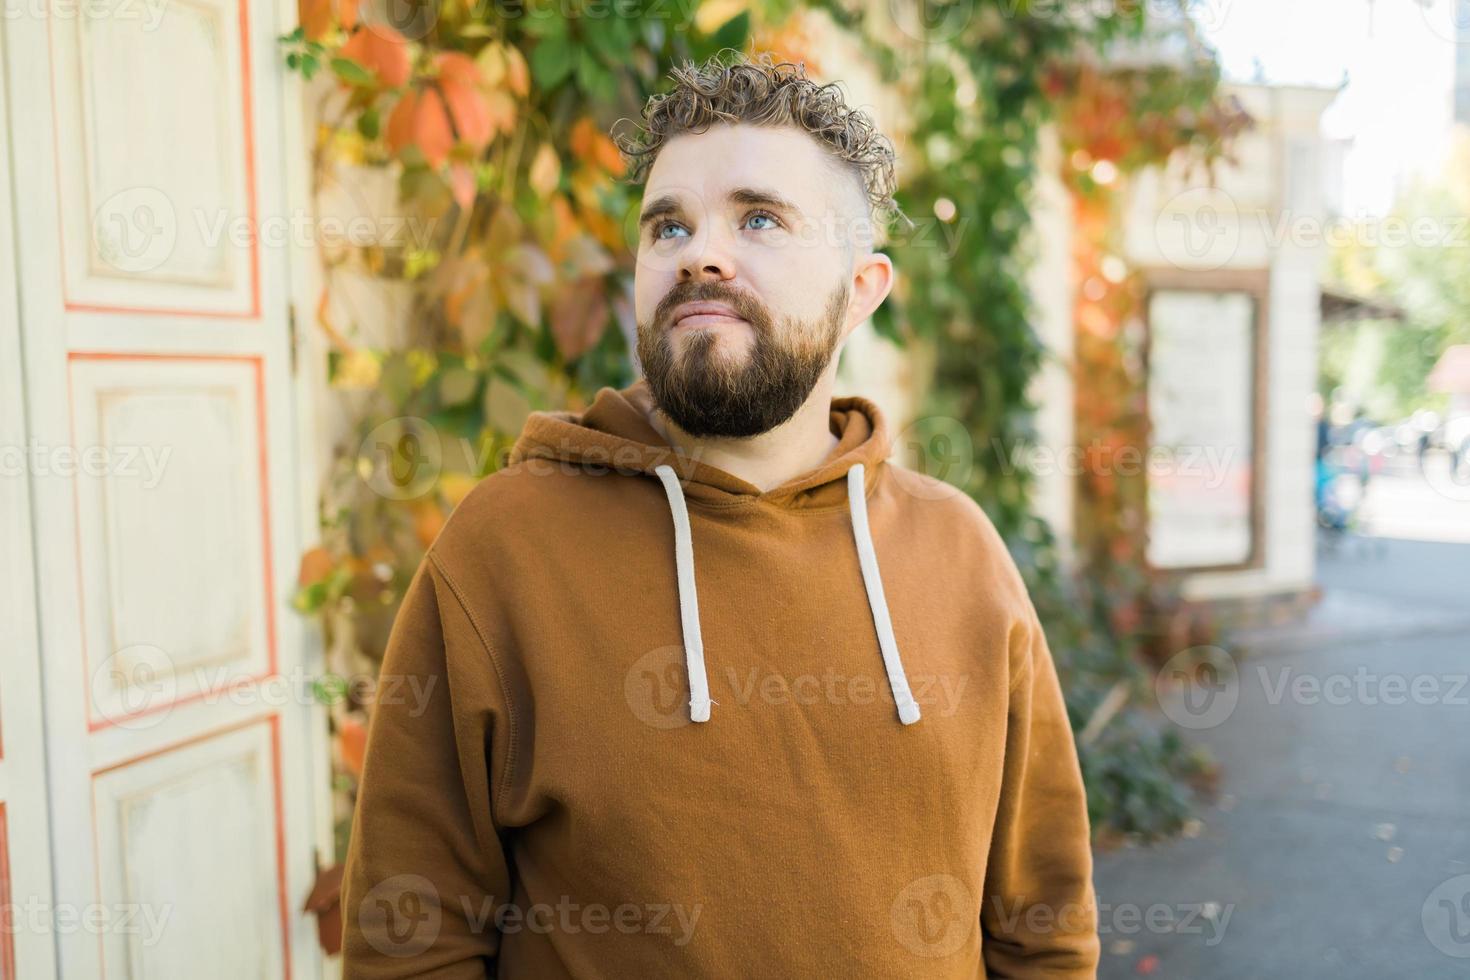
[(707, 260)]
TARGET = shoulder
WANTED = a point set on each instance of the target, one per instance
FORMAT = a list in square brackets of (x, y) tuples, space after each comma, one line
[(939, 515), (532, 514), (501, 510)]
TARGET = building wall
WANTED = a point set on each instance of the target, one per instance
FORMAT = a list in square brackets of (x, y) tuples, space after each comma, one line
[(1052, 286), (1267, 214)]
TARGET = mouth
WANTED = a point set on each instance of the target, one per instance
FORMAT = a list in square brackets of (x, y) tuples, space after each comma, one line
[(704, 315)]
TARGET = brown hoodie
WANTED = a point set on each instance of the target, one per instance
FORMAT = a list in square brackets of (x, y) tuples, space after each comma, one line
[(559, 800)]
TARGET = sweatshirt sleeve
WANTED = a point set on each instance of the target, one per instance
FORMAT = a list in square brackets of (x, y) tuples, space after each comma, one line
[(425, 867), (1039, 913)]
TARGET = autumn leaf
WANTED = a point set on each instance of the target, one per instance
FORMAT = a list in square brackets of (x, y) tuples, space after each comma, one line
[(545, 170), (457, 486), (492, 64), (503, 67), (578, 316), (352, 742), (421, 120), (382, 51), (517, 72), (358, 369), (462, 185), (519, 269), (585, 256), (503, 112), (557, 226), (428, 521), (315, 17), (316, 564), (595, 148), (458, 68), (460, 83)]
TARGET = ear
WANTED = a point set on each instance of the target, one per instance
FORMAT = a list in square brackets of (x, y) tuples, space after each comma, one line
[(872, 278)]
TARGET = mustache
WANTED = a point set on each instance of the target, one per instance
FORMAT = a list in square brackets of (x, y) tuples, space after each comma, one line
[(745, 306)]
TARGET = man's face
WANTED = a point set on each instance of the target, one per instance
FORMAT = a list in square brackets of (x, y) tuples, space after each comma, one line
[(744, 277)]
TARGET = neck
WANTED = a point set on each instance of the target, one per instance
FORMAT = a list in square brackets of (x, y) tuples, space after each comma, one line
[(790, 450)]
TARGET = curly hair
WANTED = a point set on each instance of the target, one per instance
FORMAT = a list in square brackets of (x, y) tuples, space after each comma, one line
[(761, 92)]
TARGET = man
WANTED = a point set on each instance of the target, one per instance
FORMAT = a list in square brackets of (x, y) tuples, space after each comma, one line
[(717, 690)]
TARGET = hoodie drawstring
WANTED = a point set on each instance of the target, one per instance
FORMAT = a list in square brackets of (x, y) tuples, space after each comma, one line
[(699, 702), (898, 682)]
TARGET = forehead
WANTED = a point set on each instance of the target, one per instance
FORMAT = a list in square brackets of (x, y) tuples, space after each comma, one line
[(707, 164)]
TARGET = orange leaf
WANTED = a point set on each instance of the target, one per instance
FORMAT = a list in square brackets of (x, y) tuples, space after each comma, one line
[(316, 564), (399, 132), (467, 108), (352, 741), (428, 521), (594, 147), (421, 120), (457, 67), (582, 137), (315, 17), (462, 185), (608, 155), (381, 50)]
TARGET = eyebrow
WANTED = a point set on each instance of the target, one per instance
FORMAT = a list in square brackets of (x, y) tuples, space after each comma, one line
[(668, 205)]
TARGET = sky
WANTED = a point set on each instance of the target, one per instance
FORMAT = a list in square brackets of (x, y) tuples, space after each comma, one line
[(1397, 58)]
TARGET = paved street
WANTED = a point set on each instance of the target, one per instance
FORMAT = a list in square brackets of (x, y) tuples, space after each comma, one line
[(1340, 843)]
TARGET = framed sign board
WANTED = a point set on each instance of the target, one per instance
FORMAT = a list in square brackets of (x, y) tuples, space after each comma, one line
[(1206, 374)]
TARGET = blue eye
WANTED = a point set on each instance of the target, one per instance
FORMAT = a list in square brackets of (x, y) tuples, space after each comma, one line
[(658, 233), (768, 217)]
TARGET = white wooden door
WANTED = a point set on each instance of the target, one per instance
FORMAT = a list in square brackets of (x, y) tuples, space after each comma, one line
[(25, 857), (183, 757)]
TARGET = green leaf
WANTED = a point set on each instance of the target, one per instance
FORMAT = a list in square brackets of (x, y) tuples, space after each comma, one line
[(329, 689), (592, 78), (551, 62), (458, 385), (609, 40), (733, 32), (543, 22), (352, 73), (369, 123)]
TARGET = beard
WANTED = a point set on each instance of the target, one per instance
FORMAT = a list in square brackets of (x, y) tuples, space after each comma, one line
[(709, 394)]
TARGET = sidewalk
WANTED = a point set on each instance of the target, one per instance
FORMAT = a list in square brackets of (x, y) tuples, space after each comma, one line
[(1340, 843)]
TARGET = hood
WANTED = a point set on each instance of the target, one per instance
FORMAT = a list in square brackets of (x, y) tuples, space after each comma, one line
[(615, 432)]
